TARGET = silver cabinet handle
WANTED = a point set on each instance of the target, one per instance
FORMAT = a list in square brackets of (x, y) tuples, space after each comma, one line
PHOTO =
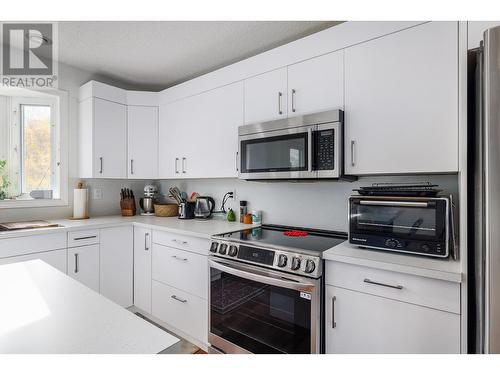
[(179, 241), (131, 166), (83, 238), (178, 299), (179, 258), (368, 281), (184, 169), (280, 95), (176, 165), (146, 236), (76, 262), (334, 324), (353, 144), (237, 162), (293, 100), (100, 163)]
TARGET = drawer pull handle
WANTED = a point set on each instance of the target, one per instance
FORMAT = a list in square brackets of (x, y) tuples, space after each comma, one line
[(146, 236), (179, 258), (179, 241), (368, 281), (179, 299), (83, 238)]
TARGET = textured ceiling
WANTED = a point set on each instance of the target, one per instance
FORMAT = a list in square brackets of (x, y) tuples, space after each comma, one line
[(156, 55)]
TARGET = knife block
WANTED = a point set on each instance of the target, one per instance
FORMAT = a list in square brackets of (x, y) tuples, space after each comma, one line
[(127, 206)]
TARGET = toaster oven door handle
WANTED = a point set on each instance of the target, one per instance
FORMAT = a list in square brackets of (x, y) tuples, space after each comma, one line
[(393, 203), (265, 279)]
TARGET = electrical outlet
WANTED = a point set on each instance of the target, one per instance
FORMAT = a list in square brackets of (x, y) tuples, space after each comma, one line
[(234, 194), (97, 194)]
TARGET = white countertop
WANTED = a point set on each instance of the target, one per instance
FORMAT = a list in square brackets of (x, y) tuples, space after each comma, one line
[(45, 311), (194, 227), (442, 269)]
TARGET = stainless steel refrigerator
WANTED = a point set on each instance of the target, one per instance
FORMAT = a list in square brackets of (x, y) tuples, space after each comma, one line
[(484, 195)]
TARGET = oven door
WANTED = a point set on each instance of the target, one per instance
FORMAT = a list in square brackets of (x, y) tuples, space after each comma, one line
[(279, 154), (253, 310)]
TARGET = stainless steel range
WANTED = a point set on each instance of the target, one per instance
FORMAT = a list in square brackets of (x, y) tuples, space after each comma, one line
[(266, 290)]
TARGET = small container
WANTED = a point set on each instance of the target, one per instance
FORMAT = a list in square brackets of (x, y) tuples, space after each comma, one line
[(243, 211), (257, 217), (247, 219)]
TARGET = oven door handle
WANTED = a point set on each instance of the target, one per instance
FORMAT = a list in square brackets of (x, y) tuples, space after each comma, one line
[(279, 282), (393, 203)]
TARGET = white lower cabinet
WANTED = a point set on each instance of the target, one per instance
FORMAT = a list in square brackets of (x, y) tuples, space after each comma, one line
[(116, 264), (184, 311), (181, 269), (56, 258), (83, 265), (366, 323), (142, 268)]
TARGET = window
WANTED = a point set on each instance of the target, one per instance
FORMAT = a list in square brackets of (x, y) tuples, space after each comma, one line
[(30, 147)]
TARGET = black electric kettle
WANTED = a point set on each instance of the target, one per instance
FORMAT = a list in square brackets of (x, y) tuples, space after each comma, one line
[(204, 207)]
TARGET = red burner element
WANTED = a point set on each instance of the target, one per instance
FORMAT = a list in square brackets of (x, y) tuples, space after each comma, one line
[(295, 233)]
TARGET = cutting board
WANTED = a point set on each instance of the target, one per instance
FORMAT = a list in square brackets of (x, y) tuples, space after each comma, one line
[(35, 224)]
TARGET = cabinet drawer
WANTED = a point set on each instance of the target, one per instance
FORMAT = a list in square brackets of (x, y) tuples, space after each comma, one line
[(181, 269), (179, 241), (438, 294), (10, 247), (181, 310), (83, 237)]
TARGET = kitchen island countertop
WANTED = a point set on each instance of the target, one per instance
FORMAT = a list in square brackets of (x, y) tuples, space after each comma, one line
[(45, 311)]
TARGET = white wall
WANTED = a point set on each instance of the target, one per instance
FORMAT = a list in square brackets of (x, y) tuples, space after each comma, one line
[(320, 205), (70, 79)]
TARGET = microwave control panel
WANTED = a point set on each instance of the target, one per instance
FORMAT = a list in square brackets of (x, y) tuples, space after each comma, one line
[(324, 141)]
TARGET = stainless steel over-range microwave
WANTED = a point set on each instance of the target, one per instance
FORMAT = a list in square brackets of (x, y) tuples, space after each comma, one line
[(302, 147)]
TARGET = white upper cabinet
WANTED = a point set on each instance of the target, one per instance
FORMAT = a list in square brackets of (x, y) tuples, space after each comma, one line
[(110, 139), (198, 135), (266, 96), (401, 102), (106, 148), (142, 141), (316, 85)]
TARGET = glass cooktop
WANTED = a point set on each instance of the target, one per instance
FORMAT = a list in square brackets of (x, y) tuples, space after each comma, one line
[(310, 240)]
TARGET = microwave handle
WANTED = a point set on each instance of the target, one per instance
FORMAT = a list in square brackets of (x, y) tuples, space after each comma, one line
[(309, 149), (393, 203), (279, 282)]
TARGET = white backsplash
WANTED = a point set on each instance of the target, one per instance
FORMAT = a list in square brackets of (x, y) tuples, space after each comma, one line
[(321, 205)]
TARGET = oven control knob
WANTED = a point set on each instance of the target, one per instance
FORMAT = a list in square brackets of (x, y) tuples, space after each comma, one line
[(391, 243), (310, 266), (233, 250), (222, 249), (213, 247), (282, 260), (295, 263)]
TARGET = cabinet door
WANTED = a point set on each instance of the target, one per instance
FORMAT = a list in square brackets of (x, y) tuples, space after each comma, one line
[(56, 258), (83, 265), (316, 85), (142, 268), (142, 142), (110, 139), (401, 102), (117, 264), (213, 138), (370, 324), (266, 96), (172, 137)]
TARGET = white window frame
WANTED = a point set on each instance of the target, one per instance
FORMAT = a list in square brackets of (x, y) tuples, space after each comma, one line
[(61, 120)]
